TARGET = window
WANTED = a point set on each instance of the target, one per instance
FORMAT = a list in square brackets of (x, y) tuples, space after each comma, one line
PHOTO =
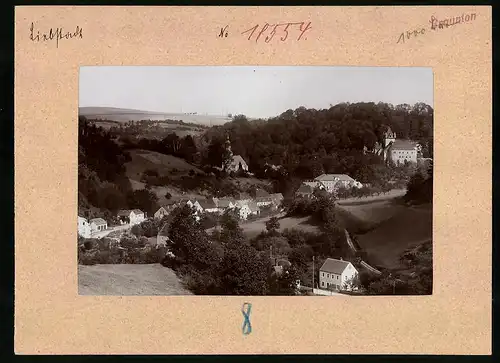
[(323, 274), (322, 283)]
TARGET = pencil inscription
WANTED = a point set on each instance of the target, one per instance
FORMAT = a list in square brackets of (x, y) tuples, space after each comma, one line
[(56, 34), (435, 24)]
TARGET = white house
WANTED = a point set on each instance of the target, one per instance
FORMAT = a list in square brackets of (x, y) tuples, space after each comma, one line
[(254, 208), (98, 224), (331, 182), (264, 201), (336, 274), (137, 216), (209, 206), (243, 209), (225, 203), (196, 206), (165, 210), (401, 151), (160, 213), (84, 229)]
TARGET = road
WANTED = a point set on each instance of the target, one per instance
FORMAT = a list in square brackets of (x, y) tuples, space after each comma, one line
[(104, 233)]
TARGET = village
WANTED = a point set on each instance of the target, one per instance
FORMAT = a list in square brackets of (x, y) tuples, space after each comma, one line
[(330, 200), (334, 274)]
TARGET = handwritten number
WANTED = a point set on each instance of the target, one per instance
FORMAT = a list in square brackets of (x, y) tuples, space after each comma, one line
[(247, 327), (304, 27), (253, 29), (286, 32), (303, 31), (268, 39), (264, 28)]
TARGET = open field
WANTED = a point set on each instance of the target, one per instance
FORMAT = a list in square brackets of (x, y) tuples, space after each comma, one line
[(164, 164), (125, 115), (128, 280), (408, 227), (252, 229), (385, 227)]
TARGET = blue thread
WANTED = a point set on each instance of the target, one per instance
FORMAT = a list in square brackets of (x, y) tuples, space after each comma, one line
[(247, 327)]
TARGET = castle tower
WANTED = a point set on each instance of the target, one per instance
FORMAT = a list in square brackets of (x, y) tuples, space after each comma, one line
[(389, 137)]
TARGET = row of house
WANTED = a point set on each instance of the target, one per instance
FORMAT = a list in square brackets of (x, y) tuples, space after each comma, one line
[(328, 182), (86, 228), (245, 206)]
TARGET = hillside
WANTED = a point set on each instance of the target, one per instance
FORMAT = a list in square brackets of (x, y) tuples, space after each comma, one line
[(127, 280), (164, 164), (408, 227)]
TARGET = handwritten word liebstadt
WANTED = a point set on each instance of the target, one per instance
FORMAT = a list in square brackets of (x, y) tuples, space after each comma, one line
[(436, 24), (282, 30), (57, 34)]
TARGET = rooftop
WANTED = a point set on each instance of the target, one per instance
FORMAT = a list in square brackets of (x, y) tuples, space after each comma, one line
[(98, 221), (403, 145), (333, 265), (333, 177), (207, 203)]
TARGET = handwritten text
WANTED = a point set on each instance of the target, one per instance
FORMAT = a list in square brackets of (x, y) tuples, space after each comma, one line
[(57, 34), (282, 31), (435, 24)]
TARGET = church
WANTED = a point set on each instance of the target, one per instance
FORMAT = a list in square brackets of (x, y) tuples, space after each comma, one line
[(397, 151), (235, 162)]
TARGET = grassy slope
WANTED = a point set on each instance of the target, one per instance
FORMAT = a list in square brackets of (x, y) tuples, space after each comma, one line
[(164, 164), (252, 229), (128, 280), (385, 227), (407, 227)]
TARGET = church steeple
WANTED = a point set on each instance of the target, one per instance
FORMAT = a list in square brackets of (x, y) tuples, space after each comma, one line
[(389, 137)]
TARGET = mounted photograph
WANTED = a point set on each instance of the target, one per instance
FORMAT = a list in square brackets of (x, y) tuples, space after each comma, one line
[(255, 180)]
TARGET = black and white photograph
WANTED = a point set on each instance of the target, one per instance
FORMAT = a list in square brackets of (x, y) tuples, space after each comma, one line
[(255, 180)]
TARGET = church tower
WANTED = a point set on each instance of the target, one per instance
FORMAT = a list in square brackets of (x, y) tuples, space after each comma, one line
[(389, 137), (227, 156), (228, 146)]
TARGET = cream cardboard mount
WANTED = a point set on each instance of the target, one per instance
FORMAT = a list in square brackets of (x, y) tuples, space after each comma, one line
[(52, 43)]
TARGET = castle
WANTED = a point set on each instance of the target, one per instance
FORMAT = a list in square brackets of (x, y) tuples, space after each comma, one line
[(397, 151)]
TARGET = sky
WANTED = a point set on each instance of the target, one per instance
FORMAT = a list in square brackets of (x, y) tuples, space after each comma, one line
[(258, 91)]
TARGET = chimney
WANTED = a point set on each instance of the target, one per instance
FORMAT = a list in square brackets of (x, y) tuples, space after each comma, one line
[(341, 259)]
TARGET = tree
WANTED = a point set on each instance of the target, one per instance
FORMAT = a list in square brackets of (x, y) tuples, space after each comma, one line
[(284, 283), (144, 200), (244, 271), (273, 225), (215, 152), (189, 243)]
